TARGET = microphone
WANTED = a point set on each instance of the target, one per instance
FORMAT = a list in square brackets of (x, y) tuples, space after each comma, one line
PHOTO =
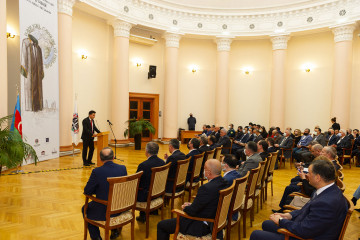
[(109, 122)]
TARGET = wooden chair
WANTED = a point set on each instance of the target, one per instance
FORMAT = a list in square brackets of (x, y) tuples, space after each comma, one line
[(340, 184), (217, 153), (219, 221), (155, 199), (195, 174), (270, 174), (282, 155), (208, 155), (258, 194), (179, 181), (231, 140), (263, 182), (288, 234), (347, 156), (340, 175), (121, 200), (236, 202), (248, 204)]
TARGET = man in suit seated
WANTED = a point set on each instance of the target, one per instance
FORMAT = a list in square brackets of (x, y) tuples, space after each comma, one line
[(224, 141), (99, 186), (321, 218), (286, 142), (240, 144), (203, 144), (239, 133), (257, 135), (229, 168), (175, 156), (253, 159), (343, 142), (262, 147), (332, 138), (303, 143), (330, 153), (271, 143), (216, 132), (211, 142), (193, 146), (308, 154), (203, 206), (151, 151), (208, 130), (319, 137)]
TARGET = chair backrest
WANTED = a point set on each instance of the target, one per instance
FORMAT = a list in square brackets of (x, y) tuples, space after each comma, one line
[(347, 218), (158, 181), (267, 167), (123, 193), (272, 163), (225, 197), (181, 171), (239, 194), (217, 153), (254, 173), (340, 175), (198, 159), (261, 173), (340, 184), (208, 155)]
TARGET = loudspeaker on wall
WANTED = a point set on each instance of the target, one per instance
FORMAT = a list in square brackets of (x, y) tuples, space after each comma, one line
[(152, 72)]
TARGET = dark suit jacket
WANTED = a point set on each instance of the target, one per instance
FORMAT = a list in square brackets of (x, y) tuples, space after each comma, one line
[(204, 206), (191, 154), (204, 148), (258, 138), (87, 131), (191, 122), (173, 158), (250, 163), (344, 143), (320, 139), (321, 218), (272, 149), (251, 138), (145, 179), (225, 142), (287, 143), (333, 139), (230, 176), (238, 136), (263, 155), (99, 186)]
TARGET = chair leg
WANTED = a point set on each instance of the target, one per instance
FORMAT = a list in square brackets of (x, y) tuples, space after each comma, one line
[(85, 230), (261, 198), (266, 188), (147, 224), (107, 237), (172, 207), (132, 229), (239, 230), (244, 223), (228, 229), (162, 212), (257, 204), (189, 199), (272, 191)]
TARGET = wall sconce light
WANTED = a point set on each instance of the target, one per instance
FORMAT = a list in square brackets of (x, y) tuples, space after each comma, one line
[(10, 35), (83, 57), (307, 67), (137, 62), (193, 68), (248, 70), (83, 54)]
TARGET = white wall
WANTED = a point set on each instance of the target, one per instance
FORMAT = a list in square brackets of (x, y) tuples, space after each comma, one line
[(355, 87)]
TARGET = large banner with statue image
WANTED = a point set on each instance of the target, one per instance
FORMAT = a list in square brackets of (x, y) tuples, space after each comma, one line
[(39, 76)]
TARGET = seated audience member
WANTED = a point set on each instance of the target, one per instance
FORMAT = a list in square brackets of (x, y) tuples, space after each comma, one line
[(203, 206), (356, 197), (337, 132), (349, 133), (343, 142), (251, 134), (151, 151), (277, 136), (224, 141), (203, 144), (211, 142), (271, 144), (257, 136), (321, 218), (297, 134), (252, 161), (304, 141), (208, 130), (306, 156), (279, 131), (193, 146), (330, 153), (216, 132), (332, 138), (291, 134), (231, 131), (99, 186), (286, 141), (262, 147), (319, 137), (239, 133), (204, 129), (240, 144), (229, 168), (356, 151), (263, 132), (175, 156)]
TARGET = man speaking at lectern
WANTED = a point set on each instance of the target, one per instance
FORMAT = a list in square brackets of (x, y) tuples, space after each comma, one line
[(87, 136)]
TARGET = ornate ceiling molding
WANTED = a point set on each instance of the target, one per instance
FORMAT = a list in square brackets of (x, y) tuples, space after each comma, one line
[(279, 42), (318, 14), (172, 40), (344, 33), (121, 28), (65, 6), (223, 44)]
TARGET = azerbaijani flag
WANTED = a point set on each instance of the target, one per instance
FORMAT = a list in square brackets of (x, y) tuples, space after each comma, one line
[(16, 121)]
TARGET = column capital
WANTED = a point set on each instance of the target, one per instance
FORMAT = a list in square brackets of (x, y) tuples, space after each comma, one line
[(172, 39), (121, 28), (66, 6), (223, 44), (343, 33), (279, 42)]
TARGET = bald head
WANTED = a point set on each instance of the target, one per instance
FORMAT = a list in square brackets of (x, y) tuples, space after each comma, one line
[(212, 168), (106, 154)]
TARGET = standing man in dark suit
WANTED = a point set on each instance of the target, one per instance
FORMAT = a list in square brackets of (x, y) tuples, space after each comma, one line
[(151, 151), (99, 186), (175, 156), (203, 206), (193, 146), (87, 136), (321, 218), (191, 122)]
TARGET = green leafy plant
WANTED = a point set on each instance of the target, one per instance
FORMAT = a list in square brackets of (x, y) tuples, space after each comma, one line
[(13, 150), (138, 126)]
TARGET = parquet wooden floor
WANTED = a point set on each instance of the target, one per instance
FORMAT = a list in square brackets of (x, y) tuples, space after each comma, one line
[(47, 205)]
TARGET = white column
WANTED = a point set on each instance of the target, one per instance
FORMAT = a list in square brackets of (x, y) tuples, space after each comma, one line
[(222, 82), (120, 81), (278, 81), (341, 89), (3, 62), (65, 72), (171, 86)]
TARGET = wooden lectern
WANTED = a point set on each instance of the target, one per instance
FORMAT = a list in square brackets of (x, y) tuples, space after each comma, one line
[(102, 141)]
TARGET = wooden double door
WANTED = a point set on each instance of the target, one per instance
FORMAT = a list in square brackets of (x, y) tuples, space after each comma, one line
[(145, 106)]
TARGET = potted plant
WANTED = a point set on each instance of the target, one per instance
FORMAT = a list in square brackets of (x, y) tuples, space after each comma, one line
[(136, 127), (13, 150)]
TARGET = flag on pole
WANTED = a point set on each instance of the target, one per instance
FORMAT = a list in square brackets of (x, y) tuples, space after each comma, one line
[(16, 121), (75, 126)]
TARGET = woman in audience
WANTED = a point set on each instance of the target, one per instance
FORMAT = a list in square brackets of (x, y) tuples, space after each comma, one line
[(297, 134), (263, 131), (335, 125)]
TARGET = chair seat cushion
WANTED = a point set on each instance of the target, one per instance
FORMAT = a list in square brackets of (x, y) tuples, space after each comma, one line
[(270, 178), (257, 191), (123, 217), (194, 184), (176, 194), (249, 204), (181, 236), (235, 221), (154, 203)]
